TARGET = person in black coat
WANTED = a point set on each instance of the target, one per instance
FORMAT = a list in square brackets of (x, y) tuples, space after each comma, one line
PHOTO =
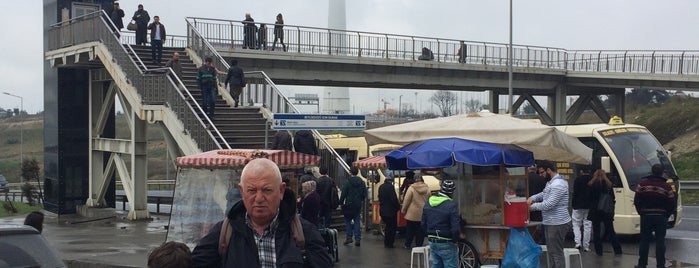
[(601, 184), (581, 206), (310, 204), (236, 78), (249, 32), (388, 209), (282, 141), (116, 16), (142, 18), (304, 142)]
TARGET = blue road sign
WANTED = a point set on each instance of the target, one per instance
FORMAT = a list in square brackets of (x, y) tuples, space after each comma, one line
[(318, 121)]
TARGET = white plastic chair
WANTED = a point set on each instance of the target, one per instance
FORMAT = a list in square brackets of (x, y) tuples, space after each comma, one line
[(416, 252), (569, 252)]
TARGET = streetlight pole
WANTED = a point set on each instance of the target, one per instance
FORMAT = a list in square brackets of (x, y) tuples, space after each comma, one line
[(416, 111), (509, 69), (21, 127), (400, 101)]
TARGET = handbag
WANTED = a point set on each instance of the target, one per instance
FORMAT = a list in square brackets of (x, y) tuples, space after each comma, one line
[(605, 204), (132, 26)]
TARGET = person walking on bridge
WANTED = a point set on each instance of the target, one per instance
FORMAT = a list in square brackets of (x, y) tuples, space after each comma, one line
[(142, 18), (279, 32)]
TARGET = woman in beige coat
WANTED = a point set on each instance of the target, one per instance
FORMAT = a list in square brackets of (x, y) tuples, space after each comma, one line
[(414, 201)]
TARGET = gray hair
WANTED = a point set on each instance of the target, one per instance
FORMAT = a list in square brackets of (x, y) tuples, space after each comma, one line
[(261, 166), (311, 184)]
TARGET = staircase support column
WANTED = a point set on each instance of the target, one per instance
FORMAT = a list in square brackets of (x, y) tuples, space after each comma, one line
[(101, 108), (139, 169)]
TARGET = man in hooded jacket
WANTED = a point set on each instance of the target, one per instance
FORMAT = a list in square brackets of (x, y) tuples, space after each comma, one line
[(352, 200), (440, 219)]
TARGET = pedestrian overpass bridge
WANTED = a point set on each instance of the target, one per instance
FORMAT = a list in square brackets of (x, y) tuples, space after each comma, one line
[(90, 65)]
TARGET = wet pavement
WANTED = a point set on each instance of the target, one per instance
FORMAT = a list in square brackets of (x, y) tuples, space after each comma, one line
[(113, 241)]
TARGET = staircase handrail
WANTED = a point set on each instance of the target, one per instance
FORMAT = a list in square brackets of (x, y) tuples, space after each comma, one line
[(94, 27), (143, 65), (276, 101)]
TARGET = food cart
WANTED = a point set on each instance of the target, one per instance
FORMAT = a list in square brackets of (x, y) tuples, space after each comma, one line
[(373, 165), (207, 187), (491, 183)]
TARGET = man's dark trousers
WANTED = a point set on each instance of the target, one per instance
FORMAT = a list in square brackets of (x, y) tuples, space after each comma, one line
[(156, 50), (650, 224), (390, 231)]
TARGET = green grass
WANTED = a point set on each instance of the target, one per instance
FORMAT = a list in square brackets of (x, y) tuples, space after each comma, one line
[(22, 209), (687, 167)]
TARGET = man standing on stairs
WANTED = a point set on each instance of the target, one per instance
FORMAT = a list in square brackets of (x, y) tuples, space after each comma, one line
[(236, 78), (142, 18), (175, 64), (206, 76), (157, 37)]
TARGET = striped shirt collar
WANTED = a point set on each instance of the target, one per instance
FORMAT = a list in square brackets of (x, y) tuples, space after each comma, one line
[(265, 242)]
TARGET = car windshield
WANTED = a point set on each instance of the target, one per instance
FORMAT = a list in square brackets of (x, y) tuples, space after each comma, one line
[(636, 151)]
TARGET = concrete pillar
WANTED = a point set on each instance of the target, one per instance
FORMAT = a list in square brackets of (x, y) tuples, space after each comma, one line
[(559, 105), (139, 202), (494, 97)]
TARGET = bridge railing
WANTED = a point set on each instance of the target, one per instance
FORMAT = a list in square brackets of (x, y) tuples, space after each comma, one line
[(635, 61), (152, 87), (227, 34), (260, 88)]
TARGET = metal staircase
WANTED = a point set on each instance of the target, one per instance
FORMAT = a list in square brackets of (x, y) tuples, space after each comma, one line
[(152, 95), (242, 127)]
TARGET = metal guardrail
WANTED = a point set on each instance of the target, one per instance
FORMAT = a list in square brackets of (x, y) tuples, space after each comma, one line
[(689, 184), (260, 88), (152, 87), (228, 34)]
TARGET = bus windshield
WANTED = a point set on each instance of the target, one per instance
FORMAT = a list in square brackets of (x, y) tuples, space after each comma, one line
[(636, 151)]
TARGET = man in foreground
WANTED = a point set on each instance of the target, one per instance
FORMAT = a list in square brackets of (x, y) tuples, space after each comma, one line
[(261, 227)]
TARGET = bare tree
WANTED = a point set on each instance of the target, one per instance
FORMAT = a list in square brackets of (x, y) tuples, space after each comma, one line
[(445, 101), (473, 106)]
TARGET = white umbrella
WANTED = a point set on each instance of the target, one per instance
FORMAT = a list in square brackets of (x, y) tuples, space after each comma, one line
[(546, 142)]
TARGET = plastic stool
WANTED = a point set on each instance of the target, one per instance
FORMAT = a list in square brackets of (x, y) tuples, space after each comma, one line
[(489, 266), (568, 252), (416, 252), (544, 249)]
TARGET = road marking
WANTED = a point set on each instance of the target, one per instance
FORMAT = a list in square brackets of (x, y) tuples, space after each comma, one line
[(690, 219)]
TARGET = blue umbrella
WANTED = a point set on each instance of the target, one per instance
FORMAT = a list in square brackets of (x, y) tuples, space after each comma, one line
[(445, 152)]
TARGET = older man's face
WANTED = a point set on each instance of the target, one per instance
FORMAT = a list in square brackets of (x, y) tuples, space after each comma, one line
[(262, 193)]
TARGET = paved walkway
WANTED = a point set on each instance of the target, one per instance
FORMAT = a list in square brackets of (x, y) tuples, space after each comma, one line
[(116, 242)]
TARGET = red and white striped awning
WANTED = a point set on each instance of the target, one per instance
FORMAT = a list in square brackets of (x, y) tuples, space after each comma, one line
[(374, 162), (237, 158)]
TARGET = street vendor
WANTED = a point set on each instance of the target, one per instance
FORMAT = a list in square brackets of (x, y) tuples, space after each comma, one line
[(440, 219), (553, 204)]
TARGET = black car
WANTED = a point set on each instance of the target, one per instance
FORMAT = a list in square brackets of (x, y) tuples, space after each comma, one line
[(4, 185), (23, 246)]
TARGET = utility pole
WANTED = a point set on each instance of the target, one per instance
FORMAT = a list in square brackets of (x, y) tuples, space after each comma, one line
[(21, 129), (400, 103)]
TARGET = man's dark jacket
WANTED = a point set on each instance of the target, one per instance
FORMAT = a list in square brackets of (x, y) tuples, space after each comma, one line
[(235, 76), (242, 250), (581, 192), (388, 201), (282, 139), (304, 142), (324, 189), (310, 207), (152, 28), (655, 196), (116, 18), (440, 217)]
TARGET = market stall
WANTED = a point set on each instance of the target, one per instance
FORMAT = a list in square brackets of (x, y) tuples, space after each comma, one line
[(491, 189), (207, 186)]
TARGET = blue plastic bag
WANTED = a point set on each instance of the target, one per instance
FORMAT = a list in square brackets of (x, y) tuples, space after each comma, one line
[(521, 251)]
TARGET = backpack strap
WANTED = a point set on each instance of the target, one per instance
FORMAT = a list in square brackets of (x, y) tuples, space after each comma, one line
[(225, 237), (297, 233)]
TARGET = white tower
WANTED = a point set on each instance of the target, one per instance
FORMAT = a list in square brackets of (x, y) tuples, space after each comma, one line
[(336, 99)]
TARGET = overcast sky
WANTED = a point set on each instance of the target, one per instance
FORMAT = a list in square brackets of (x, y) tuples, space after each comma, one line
[(591, 24)]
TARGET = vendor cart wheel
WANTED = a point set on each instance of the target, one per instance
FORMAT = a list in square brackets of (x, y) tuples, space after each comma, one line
[(468, 256)]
